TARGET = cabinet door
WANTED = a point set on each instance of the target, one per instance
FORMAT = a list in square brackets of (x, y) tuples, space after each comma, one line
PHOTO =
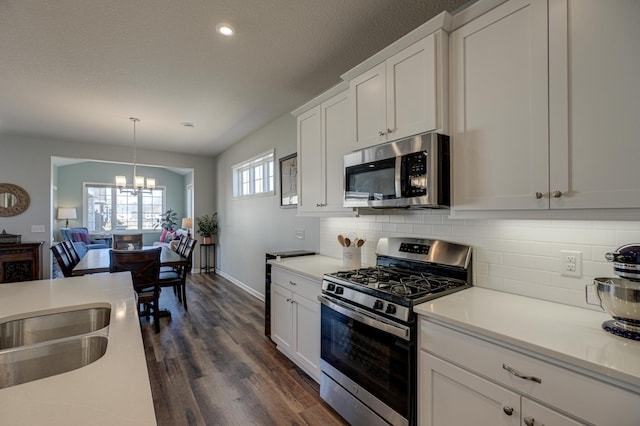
[(368, 108), (307, 335), (336, 134), (281, 314), (412, 96), (594, 63), (534, 414), (499, 109), (453, 396), (310, 164)]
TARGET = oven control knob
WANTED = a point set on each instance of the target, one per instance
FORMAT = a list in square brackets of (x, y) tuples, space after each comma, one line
[(339, 290), (331, 287), (391, 309), (378, 304)]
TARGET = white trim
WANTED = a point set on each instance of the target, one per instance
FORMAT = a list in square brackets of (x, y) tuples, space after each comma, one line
[(242, 285)]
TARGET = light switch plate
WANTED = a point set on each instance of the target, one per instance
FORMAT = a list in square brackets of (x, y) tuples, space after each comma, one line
[(37, 228), (299, 234)]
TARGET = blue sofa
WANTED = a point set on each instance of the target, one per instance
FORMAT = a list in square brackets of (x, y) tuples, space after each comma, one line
[(81, 240)]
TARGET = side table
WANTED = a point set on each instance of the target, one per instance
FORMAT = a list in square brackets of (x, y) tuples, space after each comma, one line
[(207, 261)]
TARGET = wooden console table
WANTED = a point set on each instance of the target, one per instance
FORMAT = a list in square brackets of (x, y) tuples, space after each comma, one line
[(20, 262)]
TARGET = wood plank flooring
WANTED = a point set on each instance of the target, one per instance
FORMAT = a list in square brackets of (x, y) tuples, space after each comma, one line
[(213, 365)]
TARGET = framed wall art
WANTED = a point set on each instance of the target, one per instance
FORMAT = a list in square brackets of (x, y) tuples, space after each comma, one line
[(289, 180)]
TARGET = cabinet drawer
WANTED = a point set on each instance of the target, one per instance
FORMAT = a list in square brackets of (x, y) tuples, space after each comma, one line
[(576, 394), (297, 283)]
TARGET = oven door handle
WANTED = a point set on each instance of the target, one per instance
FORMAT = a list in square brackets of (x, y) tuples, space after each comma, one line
[(360, 316)]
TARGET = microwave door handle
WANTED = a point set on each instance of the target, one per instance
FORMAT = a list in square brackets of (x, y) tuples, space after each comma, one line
[(399, 177)]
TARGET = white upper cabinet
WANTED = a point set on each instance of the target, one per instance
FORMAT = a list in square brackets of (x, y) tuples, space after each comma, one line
[(544, 106), (323, 140), (499, 124), (402, 96), (594, 100)]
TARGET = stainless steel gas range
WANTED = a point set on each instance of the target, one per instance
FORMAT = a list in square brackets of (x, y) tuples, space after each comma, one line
[(369, 332)]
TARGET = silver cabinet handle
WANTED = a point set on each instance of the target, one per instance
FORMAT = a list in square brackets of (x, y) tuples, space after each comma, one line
[(389, 131), (539, 195), (556, 194), (320, 204), (507, 410), (529, 421), (381, 133), (289, 300), (520, 375), (293, 283)]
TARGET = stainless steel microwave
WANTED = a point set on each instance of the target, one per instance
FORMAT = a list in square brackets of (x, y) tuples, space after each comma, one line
[(411, 172)]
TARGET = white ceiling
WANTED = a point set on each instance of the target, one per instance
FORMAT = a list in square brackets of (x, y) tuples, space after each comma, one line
[(78, 69)]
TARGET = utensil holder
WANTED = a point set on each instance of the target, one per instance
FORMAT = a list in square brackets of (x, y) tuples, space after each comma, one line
[(351, 257)]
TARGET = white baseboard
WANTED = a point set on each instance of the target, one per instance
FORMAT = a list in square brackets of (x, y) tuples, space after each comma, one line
[(242, 285)]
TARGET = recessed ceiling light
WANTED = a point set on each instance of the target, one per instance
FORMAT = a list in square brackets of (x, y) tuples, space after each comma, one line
[(225, 29)]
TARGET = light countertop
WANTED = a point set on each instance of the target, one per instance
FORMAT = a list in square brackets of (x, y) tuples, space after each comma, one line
[(560, 332), (114, 389), (312, 267)]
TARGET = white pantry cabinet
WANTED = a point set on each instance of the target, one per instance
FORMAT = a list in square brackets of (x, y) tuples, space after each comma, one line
[(323, 140), (295, 319), (402, 96), (472, 380), (543, 99)]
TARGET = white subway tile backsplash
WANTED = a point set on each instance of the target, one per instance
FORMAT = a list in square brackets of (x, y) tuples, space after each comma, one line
[(516, 256)]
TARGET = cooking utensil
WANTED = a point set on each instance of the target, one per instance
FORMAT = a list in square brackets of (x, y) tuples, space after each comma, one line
[(341, 240), (626, 261), (347, 242), (360, 242), (620, 298)]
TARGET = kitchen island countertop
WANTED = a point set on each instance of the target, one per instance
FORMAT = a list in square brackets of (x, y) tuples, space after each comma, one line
[(554, 331), (114, 389)]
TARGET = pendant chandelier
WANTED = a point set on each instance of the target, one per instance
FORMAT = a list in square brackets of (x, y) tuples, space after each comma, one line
[(138, 181)]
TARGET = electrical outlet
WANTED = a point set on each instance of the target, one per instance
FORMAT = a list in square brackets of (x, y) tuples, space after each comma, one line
[(571, 263), (300, 234), (37, 228)]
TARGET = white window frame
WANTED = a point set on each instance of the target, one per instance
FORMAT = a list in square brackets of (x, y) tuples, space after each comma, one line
[(114, 211), (256, 186)]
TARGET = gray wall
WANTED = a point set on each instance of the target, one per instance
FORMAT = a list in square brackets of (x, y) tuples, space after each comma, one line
[(250, 227), (26, 161), (68, 188)]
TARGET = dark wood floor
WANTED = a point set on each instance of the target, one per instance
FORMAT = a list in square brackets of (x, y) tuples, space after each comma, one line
[(213, 365)]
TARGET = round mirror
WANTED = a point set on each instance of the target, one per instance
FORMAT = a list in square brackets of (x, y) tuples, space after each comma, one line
[(13, 200)]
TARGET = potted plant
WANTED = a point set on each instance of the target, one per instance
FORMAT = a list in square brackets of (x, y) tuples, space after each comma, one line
[(207, 226), (168, 220)]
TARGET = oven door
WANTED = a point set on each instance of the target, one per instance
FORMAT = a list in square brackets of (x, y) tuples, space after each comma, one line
[(373, 353)]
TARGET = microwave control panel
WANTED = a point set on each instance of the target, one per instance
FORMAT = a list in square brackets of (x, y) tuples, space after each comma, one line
[(414, 174)]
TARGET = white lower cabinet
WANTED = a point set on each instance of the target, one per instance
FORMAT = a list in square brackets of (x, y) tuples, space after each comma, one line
[(475, 380), (295, 319), (459, 397)]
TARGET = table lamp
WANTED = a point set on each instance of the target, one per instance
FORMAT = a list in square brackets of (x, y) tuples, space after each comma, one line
[(187, 223), (66, 213)]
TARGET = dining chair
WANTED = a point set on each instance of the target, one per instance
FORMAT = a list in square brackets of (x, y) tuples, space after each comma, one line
[(122, 241), (72, 252), (144, 266), (63, 259), (177, 278)]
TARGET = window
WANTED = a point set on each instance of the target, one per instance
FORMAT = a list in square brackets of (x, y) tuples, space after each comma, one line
[(254, 176), (104, 205)]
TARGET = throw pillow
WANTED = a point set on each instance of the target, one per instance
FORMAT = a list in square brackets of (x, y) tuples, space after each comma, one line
[(80, 237), (163, 237)]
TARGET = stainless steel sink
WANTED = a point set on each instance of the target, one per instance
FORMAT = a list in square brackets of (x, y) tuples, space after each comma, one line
[(25, 364), (47, 327)]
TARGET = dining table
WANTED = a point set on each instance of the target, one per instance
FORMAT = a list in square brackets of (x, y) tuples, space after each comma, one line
[(99, 260)]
